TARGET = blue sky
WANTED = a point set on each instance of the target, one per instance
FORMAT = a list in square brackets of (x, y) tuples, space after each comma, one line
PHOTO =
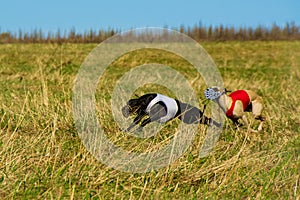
[(51, 15)]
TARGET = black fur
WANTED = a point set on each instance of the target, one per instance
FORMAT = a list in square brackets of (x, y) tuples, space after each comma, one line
[(186, 113)]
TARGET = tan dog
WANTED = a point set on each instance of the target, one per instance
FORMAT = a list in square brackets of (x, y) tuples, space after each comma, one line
[(237, 103)]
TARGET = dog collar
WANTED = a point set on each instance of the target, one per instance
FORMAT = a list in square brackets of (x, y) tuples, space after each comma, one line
[(212, 94)]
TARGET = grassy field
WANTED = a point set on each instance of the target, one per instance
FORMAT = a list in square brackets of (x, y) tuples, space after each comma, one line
[(42, 156)]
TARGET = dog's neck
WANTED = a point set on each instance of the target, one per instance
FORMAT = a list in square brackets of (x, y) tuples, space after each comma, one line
[(224, 101)]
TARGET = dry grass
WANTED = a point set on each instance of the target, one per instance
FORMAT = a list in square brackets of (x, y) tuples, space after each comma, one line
[(41, 155)]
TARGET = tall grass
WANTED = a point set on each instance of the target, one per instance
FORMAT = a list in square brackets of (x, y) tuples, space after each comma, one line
[(41, 155)]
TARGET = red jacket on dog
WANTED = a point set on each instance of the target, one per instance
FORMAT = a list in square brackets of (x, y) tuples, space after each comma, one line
[(240, 95)]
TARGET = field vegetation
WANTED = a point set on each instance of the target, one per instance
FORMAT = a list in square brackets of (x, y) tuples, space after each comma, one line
[(42, 156)]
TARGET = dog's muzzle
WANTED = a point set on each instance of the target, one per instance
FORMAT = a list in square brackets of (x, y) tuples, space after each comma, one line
[(212, 93), (125, 111)]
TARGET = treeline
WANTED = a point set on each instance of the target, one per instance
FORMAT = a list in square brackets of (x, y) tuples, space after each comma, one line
[(198, 32)]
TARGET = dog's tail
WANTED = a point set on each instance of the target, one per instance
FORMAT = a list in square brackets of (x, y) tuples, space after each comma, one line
[(209, 121), (204, 119)]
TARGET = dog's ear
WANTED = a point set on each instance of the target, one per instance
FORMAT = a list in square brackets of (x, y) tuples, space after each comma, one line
[(133, 102), (204, 108), (146, 100)]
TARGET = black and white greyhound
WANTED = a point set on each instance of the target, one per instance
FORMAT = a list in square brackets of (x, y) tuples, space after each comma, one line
[(157, 107)]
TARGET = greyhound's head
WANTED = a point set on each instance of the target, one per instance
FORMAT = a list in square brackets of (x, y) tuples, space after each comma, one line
[(131, 107), (213, 93)]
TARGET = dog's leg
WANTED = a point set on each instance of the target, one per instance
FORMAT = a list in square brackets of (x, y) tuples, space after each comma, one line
[(156, 112), (260, 126), (261, 119), (208, 121), (134, 123), (236, 122), (145, 122), (257, 108), (244, 118)]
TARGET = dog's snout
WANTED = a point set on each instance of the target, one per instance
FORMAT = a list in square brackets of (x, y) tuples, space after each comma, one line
[(125, 111)]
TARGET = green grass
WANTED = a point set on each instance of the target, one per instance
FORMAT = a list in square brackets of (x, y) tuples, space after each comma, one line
[(42, 156)]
